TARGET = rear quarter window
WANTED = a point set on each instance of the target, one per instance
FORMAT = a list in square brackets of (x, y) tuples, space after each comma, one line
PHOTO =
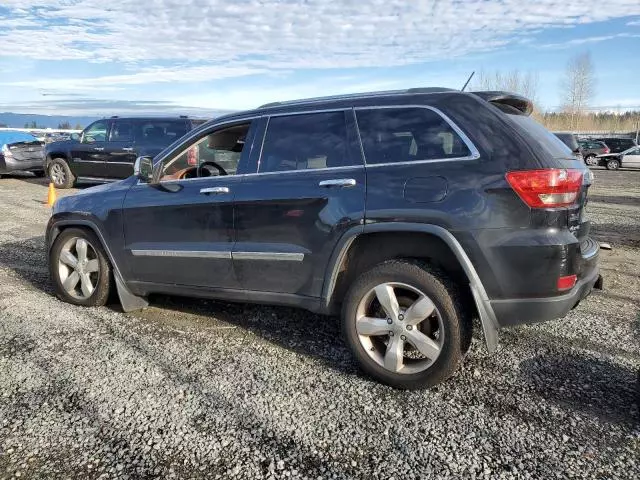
[(408, 134), (161, 132), (542, 137)]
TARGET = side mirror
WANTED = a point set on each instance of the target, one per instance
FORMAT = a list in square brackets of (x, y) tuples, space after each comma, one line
[(75, 136), (143, 169)]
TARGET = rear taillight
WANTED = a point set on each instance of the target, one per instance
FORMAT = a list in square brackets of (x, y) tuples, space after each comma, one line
[(546, 188), (606, 150)]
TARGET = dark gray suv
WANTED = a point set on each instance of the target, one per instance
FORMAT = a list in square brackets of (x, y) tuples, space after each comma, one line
[(407, 212)]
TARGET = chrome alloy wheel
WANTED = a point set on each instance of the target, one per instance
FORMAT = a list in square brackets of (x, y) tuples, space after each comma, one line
[(78, 268), (57, 174), (400, 328)]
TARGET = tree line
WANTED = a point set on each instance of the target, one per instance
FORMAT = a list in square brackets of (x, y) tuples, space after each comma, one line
[(61, 126), (577, 91)]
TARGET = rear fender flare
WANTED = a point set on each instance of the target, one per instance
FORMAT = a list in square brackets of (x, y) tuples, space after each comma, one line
[(481, 299)]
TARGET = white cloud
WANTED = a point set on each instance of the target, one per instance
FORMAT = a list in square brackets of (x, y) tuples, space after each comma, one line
[(284, 34), (586, 40)]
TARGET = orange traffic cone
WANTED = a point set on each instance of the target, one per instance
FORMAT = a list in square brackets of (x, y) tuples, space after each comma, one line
[(51, 196)]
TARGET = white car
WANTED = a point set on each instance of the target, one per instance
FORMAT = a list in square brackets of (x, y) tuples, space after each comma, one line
[(630, 158)]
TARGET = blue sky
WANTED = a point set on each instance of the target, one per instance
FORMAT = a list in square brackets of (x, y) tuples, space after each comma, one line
[(203, 56)]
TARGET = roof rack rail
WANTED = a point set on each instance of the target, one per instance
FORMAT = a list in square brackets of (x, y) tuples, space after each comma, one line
[(115, 116), (356, 95)]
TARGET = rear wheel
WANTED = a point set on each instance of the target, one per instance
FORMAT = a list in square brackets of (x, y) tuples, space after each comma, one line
[(406, 325), (79, 268), (591, 160), (613, 164), (60, 174)]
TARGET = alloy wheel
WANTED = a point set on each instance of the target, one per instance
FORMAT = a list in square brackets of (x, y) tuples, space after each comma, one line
[(400, 328), (57, 174), (78, 268)]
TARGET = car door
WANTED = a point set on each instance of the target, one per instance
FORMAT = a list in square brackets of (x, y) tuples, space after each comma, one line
[(632, 158), (88, 156), (179, 231), (120, 154), (307, 190)]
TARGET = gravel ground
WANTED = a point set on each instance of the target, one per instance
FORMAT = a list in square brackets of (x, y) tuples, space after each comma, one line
[(202, 389)]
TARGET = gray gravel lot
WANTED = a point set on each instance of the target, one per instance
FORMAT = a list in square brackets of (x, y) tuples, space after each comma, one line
[(202, 389)]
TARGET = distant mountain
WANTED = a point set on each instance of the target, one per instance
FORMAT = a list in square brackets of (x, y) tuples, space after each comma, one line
[(18, 120)]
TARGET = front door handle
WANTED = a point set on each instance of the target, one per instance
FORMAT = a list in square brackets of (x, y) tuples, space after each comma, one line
[(99, 149), (338, 182), (214, 190), (127, 149)]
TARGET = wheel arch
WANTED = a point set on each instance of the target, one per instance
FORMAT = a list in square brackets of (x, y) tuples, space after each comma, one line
[(128, 300), (435, 239)]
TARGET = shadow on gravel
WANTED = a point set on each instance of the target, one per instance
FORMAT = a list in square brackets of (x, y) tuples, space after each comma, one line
[(615, 200), (296, 330), (28, 260), (617, 234), (596, 387)]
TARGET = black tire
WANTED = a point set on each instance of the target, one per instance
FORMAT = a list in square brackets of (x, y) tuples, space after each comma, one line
[(102, 278), (613, 164), (64, 178), (447, 298)]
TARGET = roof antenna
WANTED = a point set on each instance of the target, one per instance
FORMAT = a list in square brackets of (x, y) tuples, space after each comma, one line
[(468, 80)]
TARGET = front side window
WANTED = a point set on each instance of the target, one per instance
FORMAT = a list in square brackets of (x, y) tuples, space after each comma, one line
[(307, 141), (121, 131), (407, 134), (215, 153), (97, 132)]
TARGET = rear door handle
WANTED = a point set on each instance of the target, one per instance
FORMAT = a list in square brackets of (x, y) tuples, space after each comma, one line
[(127, 149), (338, 182), (214, 190), (99, 149)]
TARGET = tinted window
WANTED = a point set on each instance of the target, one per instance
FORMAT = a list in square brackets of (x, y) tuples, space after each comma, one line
[(310, 141), (391, 135), (568, 139), (121, 131), (547, 140), (161, 132), (97, 132)]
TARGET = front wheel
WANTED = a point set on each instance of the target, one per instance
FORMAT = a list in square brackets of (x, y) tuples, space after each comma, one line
[(613, 164), (406, 325), (79, 268), (60, 174)]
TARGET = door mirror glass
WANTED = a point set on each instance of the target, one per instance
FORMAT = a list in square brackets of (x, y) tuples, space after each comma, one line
[(143, 169)]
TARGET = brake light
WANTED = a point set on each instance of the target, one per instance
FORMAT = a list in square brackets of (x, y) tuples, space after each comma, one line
[(567, 282), (548, 188), (606, 150)]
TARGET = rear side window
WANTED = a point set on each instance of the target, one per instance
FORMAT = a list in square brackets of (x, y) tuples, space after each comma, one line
[(305, 142), (121, 131), (161, 132), (407, 134)]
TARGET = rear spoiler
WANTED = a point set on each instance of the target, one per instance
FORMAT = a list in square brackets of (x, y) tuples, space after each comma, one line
[(520, 103)]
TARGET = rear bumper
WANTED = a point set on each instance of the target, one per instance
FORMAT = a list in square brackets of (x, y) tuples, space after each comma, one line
[(511, 312), (8, 165)]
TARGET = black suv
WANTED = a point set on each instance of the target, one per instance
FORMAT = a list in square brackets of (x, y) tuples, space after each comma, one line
[(107, 149), (409, 212), (618, 144)]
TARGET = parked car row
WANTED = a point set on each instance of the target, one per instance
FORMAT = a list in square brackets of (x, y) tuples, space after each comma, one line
[(610, 152), (104, 151)]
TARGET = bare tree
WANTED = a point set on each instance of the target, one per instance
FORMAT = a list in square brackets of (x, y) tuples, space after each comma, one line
[(578, 87), (525, 84)]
